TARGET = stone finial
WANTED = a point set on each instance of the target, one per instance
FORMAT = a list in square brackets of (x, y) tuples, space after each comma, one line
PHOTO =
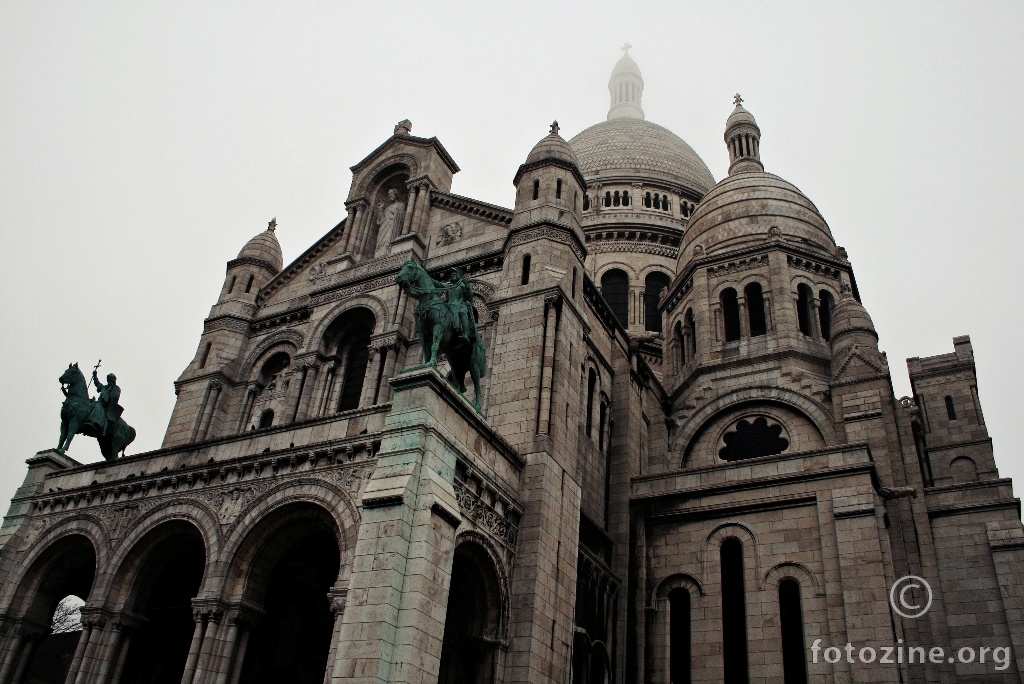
[(403, 127), (554, 128), (737, 100), (272, 224), (625, 48)]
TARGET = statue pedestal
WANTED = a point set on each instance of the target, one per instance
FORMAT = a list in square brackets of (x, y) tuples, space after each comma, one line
[(39, 466), (393, 623)]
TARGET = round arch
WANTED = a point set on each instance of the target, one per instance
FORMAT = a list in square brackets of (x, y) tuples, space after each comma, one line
[(375, 305), (399, 163), (284, 338)]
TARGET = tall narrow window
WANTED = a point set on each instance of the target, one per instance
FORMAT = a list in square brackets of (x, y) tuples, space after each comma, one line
[(825, 305), (615, 288), (755, 309), (231, 285), (266, 419), (625, 198), (573, 282), (691, 333), (602, 418), (607, 199), (734, 613), (647, 200), (586, 202), (248, 284), (558, 189), (794, 666), (679, 636), (950, 409), (206, 355), (525, 277), (803, 308), (591, 383), (731, 314), (653, 285), (536, 189), (680, 341), (355, 372), (616, 199)]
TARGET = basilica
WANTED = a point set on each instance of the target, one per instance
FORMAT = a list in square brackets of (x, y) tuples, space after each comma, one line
[(684, 460)]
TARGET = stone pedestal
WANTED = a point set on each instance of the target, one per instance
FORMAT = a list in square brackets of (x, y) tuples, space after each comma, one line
[(394, 619), (39, 466)]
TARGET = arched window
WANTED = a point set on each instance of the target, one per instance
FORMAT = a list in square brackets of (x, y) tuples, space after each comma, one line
[(616, 199), (525, 277), (231, 285), (647, 200), (574, 274), (357, 356), (602, 421), (664, 203), (803, 308), (653, 285), (625, 198), (657, 200), (950, 409), (690, 323), (731, 314), (755, 309), (591, 384), (266, 419), (615, 288), (734, 613), (206, 355), (679, 636), (680, 341), (794, 665), (607, 199), (536, 189), (586, 202), (825, 305), (963, 469), (248, 285), (558, 189)]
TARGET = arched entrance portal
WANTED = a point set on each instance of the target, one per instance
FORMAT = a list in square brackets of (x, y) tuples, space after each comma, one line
[(473, 622), (170, 561), (65, 569), (295, 563)]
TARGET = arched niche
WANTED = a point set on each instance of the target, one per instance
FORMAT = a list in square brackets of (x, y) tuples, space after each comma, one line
[(282, 572), (388, 199), (155, 585), (474, 623)]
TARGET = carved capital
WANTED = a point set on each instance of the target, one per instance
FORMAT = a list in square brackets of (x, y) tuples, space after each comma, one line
[(552, 301), (338, 598)]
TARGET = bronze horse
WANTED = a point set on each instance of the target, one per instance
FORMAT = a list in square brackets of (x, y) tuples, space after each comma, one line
[(436, 325), (75, 416)]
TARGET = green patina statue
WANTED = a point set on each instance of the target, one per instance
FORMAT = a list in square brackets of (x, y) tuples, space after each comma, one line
[(99, 418), (447, 327)]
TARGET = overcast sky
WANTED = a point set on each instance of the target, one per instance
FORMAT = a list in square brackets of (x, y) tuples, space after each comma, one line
[(142, 144)]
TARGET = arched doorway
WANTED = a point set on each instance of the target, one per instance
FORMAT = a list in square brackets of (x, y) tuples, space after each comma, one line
[(164, 571), (295, 560), (472, 628), (58, 582)]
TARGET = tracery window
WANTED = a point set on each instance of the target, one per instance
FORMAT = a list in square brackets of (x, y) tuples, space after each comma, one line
[(615, 288)]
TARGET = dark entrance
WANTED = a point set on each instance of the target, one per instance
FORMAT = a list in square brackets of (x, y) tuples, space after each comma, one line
[(471, 627)]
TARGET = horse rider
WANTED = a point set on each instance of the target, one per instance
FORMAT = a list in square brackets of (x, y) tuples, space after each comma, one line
[(108, 410), (460, 298)]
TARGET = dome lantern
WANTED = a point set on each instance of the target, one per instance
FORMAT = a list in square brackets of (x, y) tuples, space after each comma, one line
[(743, 138), (626, 87)]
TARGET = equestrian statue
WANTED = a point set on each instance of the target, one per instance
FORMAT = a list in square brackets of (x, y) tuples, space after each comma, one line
[(446, 323), (100, 417)]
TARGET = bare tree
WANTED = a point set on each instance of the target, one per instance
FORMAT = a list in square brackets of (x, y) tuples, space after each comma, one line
[(68, 615)]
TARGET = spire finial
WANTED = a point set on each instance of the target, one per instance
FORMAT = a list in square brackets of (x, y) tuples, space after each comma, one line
[(272, 225), (737, 100), (554, 128), (625, 49)]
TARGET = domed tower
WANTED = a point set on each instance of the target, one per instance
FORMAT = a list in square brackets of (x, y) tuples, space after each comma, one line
[(200, 404), (758, 278), (643, 182)]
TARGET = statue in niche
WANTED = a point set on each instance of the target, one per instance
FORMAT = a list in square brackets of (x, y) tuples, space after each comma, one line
[(389, 222)]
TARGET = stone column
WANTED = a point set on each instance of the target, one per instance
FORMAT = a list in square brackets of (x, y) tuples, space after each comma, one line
[(239, 659), (27, 646), (422, 208), (13, 646), (126, 642), (311, 375), (365, 217), (384, 393), (337, 598), (744, 318), (211, 639), (370, 379), (250, 398), (193, 650), (815, 320), (76, 660), (206, 415), (352, 224), (98, 622), (410, 203)]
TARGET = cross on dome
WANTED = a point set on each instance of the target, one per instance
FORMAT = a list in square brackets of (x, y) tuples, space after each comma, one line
[(554, 128), (272, 226), (625, 48), (737, 100)]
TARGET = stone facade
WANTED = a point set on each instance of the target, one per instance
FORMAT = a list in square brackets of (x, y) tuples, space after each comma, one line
[(689, 465)]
